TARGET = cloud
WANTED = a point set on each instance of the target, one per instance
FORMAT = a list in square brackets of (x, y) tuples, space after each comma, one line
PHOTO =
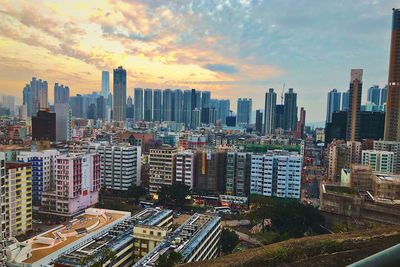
[(224, 68)]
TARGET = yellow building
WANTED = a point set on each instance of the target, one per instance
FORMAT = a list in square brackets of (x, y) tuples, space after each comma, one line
[(147, 238), (18, 198)]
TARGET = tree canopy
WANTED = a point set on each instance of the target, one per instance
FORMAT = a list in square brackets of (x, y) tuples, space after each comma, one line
[(229, 240), (174, 194), (169, 259)]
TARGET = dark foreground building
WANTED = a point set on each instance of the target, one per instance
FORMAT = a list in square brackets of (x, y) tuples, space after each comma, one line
[(44, 126)]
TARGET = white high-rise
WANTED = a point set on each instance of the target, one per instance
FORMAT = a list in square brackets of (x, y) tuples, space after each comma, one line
[(120, 165), (380, 161), (269, 112), (276, 173), (184, 172)]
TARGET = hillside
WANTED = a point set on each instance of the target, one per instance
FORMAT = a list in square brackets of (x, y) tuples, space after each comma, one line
[(324, 250)]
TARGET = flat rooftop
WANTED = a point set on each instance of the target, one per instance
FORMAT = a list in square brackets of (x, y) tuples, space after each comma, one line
[(72, 232)]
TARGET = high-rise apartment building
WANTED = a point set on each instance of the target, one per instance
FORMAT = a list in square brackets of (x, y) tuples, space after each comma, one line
[(18, 198), (290, 111), (35, 96), (333, 104), (187, 107), (178, 105), (77, 185), (196, 118), (184, 171), (138, 104), (270, 112), (157, 105), (383, 97), (167, 105), (379, 161), (43, 171), (148, 105), (392, 122), (119, 106), (276, 173), (162, 167), (105, 83), (223, 110), (353, 114), (120, 165), (238, 170), (61, 93), (244, 109)]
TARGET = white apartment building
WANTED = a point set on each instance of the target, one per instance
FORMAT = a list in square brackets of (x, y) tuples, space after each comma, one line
[(391, 146), (162, 167), (276, 173), (380, 161), (184, 172), (120, 165)]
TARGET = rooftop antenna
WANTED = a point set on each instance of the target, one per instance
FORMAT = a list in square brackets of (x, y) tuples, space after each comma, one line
[(283, 91)]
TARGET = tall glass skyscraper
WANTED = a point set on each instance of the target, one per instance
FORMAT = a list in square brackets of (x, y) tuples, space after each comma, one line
[(105, 83), (148, 105), (187, 107), (61, 93), (244, 108), (290, 111), (333, 104), (374, 95), (138, 104), (119, 109)]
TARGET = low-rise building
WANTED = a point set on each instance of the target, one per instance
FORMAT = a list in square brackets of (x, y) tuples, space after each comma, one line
[(196, 240), (379, 160)]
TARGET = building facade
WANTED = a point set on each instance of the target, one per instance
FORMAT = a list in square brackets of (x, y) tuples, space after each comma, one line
[(184, 171), (353, 115), (162, 168), (269, 112), (119, 97), (379, 161), (238, 170), (276, 173)]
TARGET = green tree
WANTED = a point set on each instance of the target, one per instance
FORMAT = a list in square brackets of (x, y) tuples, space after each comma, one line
[(169, 259), (174, 194), (136, 192), (229, 240)]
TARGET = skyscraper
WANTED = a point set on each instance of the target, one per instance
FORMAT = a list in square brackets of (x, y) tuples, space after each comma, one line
[(383, 96), (187, 107), (196, 116), (63, 121), (353, 115), (374, 95), (269, 112), (35, 96), (345, 101), (178, 105), (105, 83), (290, 111), (205, 99), (119, 112), (138, 104), (259, 121), (61, 93), (148, 105), (223, 112), (167, 105), (157, 100), (244, 108), (279, 116), (333, 104), (392, 122)]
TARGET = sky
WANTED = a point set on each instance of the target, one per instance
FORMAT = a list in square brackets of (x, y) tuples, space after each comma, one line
[(232, 48)]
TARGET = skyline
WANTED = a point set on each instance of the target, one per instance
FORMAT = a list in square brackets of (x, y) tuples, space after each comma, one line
[(235, 49)]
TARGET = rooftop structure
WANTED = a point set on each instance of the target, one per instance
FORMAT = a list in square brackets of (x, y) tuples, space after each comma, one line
[(197, 240)]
